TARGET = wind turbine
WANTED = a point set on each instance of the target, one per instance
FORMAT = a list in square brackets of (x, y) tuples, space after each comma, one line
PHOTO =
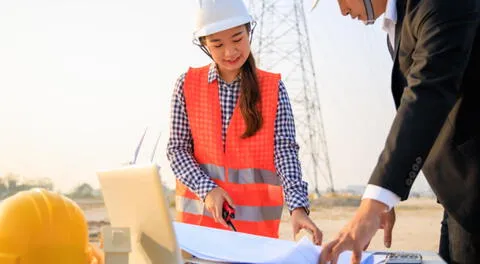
[(137, 150), (155, 148)]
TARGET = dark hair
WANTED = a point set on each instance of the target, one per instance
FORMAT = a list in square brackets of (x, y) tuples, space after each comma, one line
[(249, 94), (250, 98)]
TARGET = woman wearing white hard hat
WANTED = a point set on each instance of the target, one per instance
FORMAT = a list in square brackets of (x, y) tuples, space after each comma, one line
[(232, 134)]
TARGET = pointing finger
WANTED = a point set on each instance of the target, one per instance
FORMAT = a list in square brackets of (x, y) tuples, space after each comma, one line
[(325, 255), (356, 256)]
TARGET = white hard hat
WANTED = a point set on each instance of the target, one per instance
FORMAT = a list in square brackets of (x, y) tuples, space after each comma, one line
[(213, 16)]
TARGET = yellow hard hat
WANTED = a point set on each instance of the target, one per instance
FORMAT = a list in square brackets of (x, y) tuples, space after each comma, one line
[(41, 227)]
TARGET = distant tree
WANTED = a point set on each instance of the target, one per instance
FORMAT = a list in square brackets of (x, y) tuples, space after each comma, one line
[(45, 183), (83, 190), (12, 183), (3, 189)]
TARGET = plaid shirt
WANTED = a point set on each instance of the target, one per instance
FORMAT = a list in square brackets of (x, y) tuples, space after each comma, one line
[(180, 144)]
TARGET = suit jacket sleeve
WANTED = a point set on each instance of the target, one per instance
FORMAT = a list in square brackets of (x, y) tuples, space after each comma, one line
[(445, 31)]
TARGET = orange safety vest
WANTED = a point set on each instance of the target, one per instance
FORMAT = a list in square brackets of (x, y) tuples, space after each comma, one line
[(245, 170)]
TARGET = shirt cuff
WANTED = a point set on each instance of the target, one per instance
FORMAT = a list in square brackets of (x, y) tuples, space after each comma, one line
[(382, 195), (297, 196)]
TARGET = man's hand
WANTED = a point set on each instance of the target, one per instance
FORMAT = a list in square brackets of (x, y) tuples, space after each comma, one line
[(214, 203), (387, 223), (300, 220), (357, 234)]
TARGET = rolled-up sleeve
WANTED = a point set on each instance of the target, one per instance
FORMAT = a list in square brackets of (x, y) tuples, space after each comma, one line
[(180, 147), (286, 154)]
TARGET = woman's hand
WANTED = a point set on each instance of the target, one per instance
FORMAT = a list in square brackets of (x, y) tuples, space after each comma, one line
[(300, 220), (214, 203)]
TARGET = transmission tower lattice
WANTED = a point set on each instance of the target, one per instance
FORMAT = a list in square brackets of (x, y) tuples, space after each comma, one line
[(281, 44)]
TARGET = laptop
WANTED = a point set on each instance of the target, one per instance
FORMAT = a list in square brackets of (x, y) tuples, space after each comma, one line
[(134, 198)]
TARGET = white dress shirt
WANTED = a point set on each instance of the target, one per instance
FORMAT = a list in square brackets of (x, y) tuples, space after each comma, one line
[(390, 20), (373, 191)]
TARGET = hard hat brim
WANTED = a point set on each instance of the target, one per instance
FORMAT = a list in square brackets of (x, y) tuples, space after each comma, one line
[(222, 25)]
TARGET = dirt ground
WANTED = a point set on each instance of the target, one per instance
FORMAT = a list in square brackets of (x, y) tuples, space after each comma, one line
[(417, 226)]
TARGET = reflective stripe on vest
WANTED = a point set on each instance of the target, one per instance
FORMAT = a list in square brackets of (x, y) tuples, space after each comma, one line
[(243, 213), (214, 171), (241, 176), (245, 176)]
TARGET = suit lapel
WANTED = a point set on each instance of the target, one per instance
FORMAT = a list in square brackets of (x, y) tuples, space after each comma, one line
[(390, 48), (397, 75), (398, 25)]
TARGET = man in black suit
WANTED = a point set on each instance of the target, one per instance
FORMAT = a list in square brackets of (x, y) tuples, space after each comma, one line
[(435, 45)]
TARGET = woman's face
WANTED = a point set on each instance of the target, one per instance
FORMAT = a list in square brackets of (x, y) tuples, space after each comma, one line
[(229, 48)]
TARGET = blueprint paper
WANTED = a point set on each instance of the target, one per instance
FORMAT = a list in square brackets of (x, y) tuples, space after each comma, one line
[(302, 252), (306, 252), (222, 245), (233, 247)]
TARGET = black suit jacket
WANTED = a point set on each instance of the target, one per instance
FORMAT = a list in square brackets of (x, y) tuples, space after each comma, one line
[(436, 89)]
